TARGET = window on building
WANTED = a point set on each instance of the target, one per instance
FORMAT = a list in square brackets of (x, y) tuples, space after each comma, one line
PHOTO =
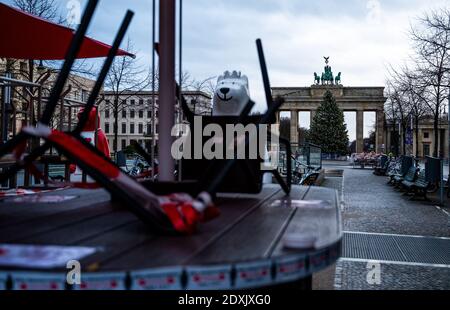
[(106, 127), (124, 128), (426, 135), (124, 144), (132, 102), (124, 113), (141, 101), (194, 105), (132, 128), (107, 113), (426, 150), (141, 128), (149, 114), (84, 95), (132, 113), (141, 113), (149, 128), (124, 102), (156, 114)]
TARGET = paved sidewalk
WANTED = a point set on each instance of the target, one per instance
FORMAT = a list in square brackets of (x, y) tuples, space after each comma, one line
[(373, 206), (409, 239)]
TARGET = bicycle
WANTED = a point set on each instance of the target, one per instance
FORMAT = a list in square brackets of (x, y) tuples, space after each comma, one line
[(309, 175)]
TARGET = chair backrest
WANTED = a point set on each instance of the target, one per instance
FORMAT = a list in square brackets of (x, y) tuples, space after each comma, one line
[(407, 162), (121, 159), (433, 169), (246, 175), (384, 160), (422, 177), (411, 175)]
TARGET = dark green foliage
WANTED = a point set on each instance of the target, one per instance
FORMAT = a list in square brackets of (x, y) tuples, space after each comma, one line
[(328, 128)]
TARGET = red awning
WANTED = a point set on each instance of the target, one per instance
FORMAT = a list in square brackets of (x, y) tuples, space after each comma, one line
[(25, 36)]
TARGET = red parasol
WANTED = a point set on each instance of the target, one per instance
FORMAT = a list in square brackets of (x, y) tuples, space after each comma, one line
[(25, 36)]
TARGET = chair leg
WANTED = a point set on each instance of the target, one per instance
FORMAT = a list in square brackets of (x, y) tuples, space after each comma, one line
[(425, 197)]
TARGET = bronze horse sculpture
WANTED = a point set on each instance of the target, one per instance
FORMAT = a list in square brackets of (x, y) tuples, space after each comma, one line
[(327, 77), (338, 79), (316, 79)]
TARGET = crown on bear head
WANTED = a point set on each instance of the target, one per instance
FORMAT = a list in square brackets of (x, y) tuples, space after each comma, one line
[(230, 75)]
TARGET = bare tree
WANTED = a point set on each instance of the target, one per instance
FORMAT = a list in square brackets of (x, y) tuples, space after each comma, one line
[(206, 86), (125, 79), (47, 9), (431, 37), (417, 104), (398, 111)]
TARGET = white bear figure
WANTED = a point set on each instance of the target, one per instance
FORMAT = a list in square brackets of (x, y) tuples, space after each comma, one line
[(231, 94), (230, 97)]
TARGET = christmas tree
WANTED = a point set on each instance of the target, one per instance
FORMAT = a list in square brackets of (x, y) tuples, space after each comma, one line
[(328, 129)]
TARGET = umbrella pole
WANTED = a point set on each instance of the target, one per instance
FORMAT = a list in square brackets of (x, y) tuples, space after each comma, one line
[(153, 107), (166, 89)]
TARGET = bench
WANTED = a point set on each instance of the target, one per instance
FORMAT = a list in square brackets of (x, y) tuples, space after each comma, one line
[(406, 162), (395, 173), (380, 171), (419, 187), (410, 176)]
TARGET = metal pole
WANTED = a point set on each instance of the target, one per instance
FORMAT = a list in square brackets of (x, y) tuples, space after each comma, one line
[(442, 182), (153, 125), (5, 107), (167, 88), (61, 117), (448, 116), (180, 61)]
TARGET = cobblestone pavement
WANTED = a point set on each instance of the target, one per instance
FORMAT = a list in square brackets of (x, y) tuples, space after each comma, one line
[(353, 276), (372, 206)]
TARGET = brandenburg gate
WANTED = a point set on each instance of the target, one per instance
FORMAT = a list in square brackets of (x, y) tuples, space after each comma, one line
[(349, 99)]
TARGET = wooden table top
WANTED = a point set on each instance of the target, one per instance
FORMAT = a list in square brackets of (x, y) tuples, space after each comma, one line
[(241, 248)]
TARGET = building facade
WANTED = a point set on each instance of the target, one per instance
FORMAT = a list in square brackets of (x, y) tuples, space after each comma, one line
[(23, 100), (349, 99), (134, 115), (423, 144)]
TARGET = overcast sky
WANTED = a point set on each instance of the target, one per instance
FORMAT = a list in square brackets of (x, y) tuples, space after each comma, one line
[(362, 37)]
